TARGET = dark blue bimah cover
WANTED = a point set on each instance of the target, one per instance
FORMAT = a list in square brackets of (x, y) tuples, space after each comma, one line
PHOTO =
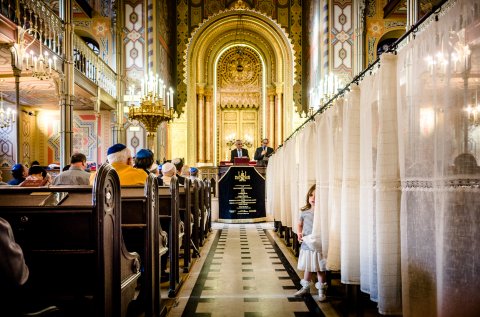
[(242, 195)]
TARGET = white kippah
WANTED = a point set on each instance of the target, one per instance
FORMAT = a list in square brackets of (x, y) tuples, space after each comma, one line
[(167, 167), (153, 168)]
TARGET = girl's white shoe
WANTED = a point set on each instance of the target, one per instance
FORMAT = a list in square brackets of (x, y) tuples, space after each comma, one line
[(322, 291), (304, 290)]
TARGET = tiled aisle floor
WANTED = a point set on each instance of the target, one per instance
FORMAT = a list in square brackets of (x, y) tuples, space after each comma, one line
[(244, 274)]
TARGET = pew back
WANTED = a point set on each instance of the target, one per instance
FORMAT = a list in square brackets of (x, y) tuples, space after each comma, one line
[(72, 245), (141, 231)]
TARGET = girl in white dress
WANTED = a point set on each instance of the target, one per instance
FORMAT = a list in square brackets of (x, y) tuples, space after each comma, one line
[(310, 260)]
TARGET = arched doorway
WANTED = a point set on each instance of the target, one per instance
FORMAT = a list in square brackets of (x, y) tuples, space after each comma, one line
[(213, 41), (239, 93)]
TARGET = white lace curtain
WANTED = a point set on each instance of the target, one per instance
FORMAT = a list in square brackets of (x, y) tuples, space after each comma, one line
[(439, 144), (398, 183)]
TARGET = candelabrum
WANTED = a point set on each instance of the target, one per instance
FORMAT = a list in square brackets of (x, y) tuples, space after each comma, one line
[(7, 117), (323, 92), (473, 112), (40, 65), (248, 143), (155, 107), (230, 141)]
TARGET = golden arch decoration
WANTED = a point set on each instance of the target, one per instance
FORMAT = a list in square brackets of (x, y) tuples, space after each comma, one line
[(207, 43)]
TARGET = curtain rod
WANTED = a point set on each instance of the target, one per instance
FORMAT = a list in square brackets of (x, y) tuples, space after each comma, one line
[(356, 80)]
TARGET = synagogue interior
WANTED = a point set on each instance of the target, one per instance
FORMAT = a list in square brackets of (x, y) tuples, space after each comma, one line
[(239, 158)]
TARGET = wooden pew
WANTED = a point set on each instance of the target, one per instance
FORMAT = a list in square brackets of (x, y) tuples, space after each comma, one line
[(208, 205), (143, 233), (201, 212), (185, 209), (196, 215), (73, 246), (168, 204)]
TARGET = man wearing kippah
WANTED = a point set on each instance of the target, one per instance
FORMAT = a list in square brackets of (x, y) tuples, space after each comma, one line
[(144, 160), (121, 159), (193, 173)]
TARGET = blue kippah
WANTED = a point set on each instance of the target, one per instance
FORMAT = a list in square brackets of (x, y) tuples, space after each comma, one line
[(17, 167), (193, 169), (144, 153), (116, 148)]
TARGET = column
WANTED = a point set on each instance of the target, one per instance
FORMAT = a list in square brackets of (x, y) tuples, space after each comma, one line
[(119, 134), (201, 122), (209, 125), (359, 47), (271, 116), (17, 72), (66, 113), (412, 13), (279, 114)]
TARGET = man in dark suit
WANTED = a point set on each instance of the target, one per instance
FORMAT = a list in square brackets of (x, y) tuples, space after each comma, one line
[(239, 151), (263, 152)]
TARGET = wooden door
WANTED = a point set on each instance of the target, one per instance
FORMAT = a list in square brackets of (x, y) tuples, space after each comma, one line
[(237, 124)]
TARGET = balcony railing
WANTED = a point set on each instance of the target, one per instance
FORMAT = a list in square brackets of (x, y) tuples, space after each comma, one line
[(93, 67), (35, 14)]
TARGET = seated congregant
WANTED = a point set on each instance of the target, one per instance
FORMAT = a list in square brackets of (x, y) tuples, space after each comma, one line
[(168, 171), (120, 158), (154, 169), (178, 162), (193, 173), (185, 171), (76, 174), (37, 176), (144, 160), (13, 271), (19, 173), (1, 179)]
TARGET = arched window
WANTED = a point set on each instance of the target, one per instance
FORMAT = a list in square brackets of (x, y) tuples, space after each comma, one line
[(92, 44)]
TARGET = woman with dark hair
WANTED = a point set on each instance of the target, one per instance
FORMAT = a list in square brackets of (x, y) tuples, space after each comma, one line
[(19, 173)]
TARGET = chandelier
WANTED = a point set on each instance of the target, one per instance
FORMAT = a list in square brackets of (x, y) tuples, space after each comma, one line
[(473, 112), (40, 65), (7, 117), (155, 105)]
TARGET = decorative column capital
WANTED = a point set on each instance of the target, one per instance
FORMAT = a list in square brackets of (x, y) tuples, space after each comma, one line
[(279, 88), (201, 88)]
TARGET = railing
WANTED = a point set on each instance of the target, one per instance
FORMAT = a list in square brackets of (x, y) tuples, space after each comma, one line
[(35, 14), (93, 67)]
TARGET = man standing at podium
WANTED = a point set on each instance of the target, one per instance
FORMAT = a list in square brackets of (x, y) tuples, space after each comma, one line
[(239, 151), (263, 152)]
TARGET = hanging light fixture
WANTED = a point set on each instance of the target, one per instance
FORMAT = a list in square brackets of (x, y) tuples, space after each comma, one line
[(155, 105), (40, 65), (238, 42), (7, 117), (473, 112)]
